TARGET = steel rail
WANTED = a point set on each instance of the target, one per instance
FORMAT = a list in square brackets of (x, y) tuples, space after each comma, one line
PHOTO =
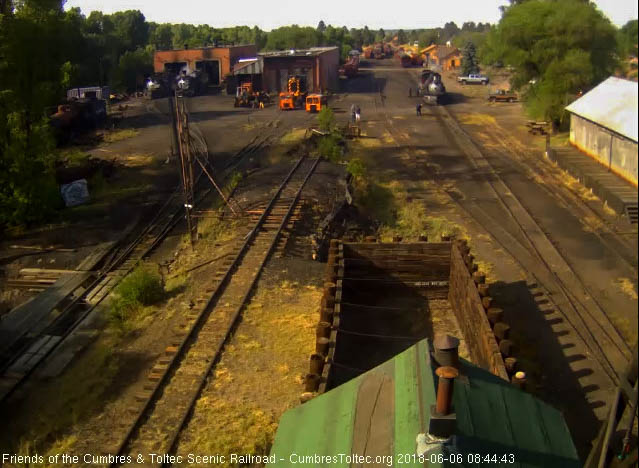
[(117, 258), (202, 317), (574, 301), (592, 344)]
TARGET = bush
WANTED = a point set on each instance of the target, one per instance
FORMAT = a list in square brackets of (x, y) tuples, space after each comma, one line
[(356, 168), (28, 190), (236, 178), (326, 119), (142, 287), (329, 148)]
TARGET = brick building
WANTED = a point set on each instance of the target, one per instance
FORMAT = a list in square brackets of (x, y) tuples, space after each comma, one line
[(216, 62)]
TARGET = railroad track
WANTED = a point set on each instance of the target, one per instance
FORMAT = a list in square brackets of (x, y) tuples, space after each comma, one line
[(81, 302), (179, 376), (32, 351), (525, 243), (609, 235), (580, 308)]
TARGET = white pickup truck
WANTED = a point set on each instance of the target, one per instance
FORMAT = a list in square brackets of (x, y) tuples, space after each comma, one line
[(473, 79)]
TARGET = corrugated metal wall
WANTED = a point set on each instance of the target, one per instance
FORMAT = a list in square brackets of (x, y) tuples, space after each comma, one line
[(612, 150)]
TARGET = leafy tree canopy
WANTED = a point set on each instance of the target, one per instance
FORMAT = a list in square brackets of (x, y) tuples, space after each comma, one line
[(470, 64), (564, 46)]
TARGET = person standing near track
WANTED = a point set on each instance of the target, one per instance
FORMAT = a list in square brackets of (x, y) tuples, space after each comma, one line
[(418, 108), (358, 114)]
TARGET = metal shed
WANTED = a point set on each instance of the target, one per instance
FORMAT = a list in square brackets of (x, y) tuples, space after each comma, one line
[(603, 124), (319, 64), (383, 414)]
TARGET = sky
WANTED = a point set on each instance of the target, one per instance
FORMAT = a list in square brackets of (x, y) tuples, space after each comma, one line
[(407, 14)]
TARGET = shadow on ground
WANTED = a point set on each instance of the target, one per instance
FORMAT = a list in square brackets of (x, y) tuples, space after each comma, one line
[(547, 361)]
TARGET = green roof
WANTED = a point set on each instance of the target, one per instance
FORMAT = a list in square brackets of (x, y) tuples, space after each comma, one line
[(381, 412)]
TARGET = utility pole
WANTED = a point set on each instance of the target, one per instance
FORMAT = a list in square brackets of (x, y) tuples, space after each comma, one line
[(186, 165)]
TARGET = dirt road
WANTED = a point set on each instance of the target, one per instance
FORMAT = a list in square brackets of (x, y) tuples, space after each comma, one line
[(558, 275)]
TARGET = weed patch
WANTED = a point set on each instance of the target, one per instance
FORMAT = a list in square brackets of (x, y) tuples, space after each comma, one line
[(119, 135), (477, 119), (238, 414), (62, 403), (356, 169), (141, 288), (216, 229), (74, 157), (377, 200), (626, 287), (329, 148), (235, 180), (293, 137)]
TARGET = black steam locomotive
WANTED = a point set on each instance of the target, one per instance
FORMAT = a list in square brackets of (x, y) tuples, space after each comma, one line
[(431, 87)]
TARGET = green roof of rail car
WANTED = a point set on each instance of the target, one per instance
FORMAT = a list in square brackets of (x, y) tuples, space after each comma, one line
[(382, 411)]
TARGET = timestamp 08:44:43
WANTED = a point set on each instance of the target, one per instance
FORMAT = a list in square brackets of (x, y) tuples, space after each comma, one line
[(459, 459)]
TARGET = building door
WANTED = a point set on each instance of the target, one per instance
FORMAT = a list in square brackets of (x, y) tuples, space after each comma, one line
[(174, 67), (211, 70), (270, 80)]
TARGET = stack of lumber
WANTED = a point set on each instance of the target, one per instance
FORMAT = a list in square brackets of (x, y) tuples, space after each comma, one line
[(36, 279)]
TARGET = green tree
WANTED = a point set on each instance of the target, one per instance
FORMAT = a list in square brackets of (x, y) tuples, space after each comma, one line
[(357, 38), (321, 26), (293, 37), (326, 119), (379, 37), (133, 67), (30, 76), (368, 37), (131, 28), (565, 46), (477, 38), (401, 36), (627, 39), (449, 31), (427, 37), (469, 60), (161, 36)]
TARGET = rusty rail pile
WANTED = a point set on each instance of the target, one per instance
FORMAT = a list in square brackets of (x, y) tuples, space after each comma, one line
[(177, 379)]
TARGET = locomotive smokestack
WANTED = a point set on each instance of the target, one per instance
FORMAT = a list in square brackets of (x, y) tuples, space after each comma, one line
[(446, 376), (446, 351)]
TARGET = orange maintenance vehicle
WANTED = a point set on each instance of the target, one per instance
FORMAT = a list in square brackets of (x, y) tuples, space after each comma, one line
[(315, 102), (295, 96)]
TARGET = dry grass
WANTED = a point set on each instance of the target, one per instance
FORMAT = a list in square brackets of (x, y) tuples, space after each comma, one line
[(136, 159), (119, 135), (388, 139), (609, 211), (51, 411), (293, 137), (476, 119), (488, 269), (259, 375), (573, 184), (626, 286), (278, 152), (215, 229), (369, 142)]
